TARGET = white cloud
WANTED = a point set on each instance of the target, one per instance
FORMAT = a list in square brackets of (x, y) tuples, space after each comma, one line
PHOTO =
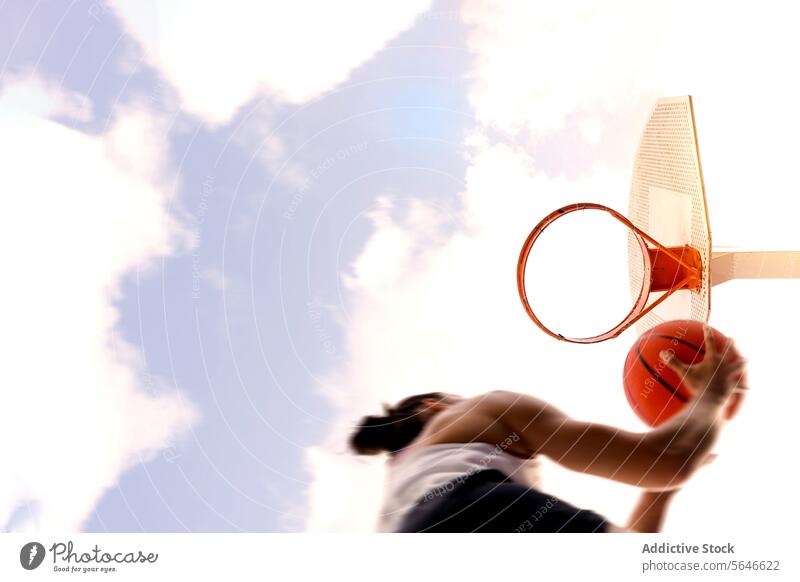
[(345, 504), (81, 212), (450, 318), (43, 98), (604, 66), (218, 57)]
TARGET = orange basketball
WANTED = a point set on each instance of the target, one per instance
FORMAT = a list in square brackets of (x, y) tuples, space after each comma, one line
[(655, 391)]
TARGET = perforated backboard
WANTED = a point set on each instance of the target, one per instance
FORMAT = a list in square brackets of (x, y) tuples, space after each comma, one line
[(671, 262), (668, 202)]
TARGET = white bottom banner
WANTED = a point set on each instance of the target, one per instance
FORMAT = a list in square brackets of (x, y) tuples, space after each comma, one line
[(390, 557)]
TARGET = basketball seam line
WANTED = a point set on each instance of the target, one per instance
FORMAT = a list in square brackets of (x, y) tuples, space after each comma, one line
[(660, 380)]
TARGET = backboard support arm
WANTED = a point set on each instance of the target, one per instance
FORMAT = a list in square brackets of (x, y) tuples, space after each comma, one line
[(726, 266)]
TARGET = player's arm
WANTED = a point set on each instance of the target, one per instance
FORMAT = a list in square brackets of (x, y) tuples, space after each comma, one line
[(650, 511), (648, 514), (598, 449), (658, 459)]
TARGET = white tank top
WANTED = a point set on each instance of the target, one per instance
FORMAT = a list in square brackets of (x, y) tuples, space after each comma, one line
[(418, 472)]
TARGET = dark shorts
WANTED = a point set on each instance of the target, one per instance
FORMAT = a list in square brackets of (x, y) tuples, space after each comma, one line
[(488, 501)]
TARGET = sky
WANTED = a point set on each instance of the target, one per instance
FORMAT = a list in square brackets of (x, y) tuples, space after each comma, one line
[(231, 231)]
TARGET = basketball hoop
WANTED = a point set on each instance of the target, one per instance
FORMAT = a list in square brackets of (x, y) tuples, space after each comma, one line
[(667, 201), (666, 269)]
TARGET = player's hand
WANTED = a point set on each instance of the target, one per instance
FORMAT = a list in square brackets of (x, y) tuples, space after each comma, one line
[(718, 373)]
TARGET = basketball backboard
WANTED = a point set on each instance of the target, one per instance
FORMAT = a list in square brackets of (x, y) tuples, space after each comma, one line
[(672, 264), (668, 201)]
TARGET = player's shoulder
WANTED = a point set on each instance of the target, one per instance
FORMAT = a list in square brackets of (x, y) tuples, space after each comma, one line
[(500, 405), (500, 401), (471, 419), (517, 409)]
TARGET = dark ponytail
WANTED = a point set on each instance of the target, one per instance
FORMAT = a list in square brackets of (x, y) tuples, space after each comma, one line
[(393, 431)]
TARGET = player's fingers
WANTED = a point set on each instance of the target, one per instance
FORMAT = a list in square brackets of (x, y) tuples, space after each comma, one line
[(672, 362), (737, 377), (730, 350), (708, 341), (735, 367)]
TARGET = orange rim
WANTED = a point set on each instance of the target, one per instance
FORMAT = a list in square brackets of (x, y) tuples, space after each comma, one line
[(640, 307)]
